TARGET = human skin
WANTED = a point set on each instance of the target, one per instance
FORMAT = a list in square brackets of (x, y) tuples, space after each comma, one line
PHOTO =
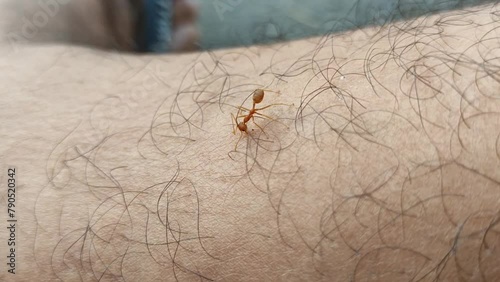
[(380, 163)]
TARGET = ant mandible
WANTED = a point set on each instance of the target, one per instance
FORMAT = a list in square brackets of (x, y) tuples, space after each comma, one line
[(258, 96)]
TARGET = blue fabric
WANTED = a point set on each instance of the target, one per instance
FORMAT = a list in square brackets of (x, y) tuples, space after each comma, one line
[(156, 29), (225, 23)]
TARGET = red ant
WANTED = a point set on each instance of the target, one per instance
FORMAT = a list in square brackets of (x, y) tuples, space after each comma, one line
[(258, 96)]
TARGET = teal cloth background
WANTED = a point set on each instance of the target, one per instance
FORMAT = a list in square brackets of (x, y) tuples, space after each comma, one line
[(225, 23)]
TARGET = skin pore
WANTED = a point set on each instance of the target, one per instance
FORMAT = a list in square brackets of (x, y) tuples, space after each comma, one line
[(385, 166)]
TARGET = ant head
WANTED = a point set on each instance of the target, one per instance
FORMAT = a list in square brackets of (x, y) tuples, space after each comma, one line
[(258, 96), (242, 126)]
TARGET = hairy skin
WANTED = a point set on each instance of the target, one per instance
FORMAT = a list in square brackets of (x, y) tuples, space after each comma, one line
[(384, 166)]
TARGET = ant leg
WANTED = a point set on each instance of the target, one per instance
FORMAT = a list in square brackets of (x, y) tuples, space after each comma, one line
[(243, 108), (234, 125), (240, 113), (270, 118), (269, 90), (236, 146), (268, 106), (262, 129), (264, 116)]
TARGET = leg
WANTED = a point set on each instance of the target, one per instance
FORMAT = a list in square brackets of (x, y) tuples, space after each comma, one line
[(264, 116), (270, 118), (268, 106), (236, 146), (269, 90), (262, 129), (234, 125)]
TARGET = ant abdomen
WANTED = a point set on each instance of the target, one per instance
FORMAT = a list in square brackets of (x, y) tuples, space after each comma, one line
[(258, 96)]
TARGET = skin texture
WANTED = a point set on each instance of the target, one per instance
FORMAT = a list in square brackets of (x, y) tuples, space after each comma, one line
[(384, 166)]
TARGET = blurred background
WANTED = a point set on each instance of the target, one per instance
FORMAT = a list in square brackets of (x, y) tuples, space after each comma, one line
[(243, 22), (215, 24)]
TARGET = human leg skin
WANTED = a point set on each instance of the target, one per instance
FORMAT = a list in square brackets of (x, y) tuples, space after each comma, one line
[(385, 167)]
